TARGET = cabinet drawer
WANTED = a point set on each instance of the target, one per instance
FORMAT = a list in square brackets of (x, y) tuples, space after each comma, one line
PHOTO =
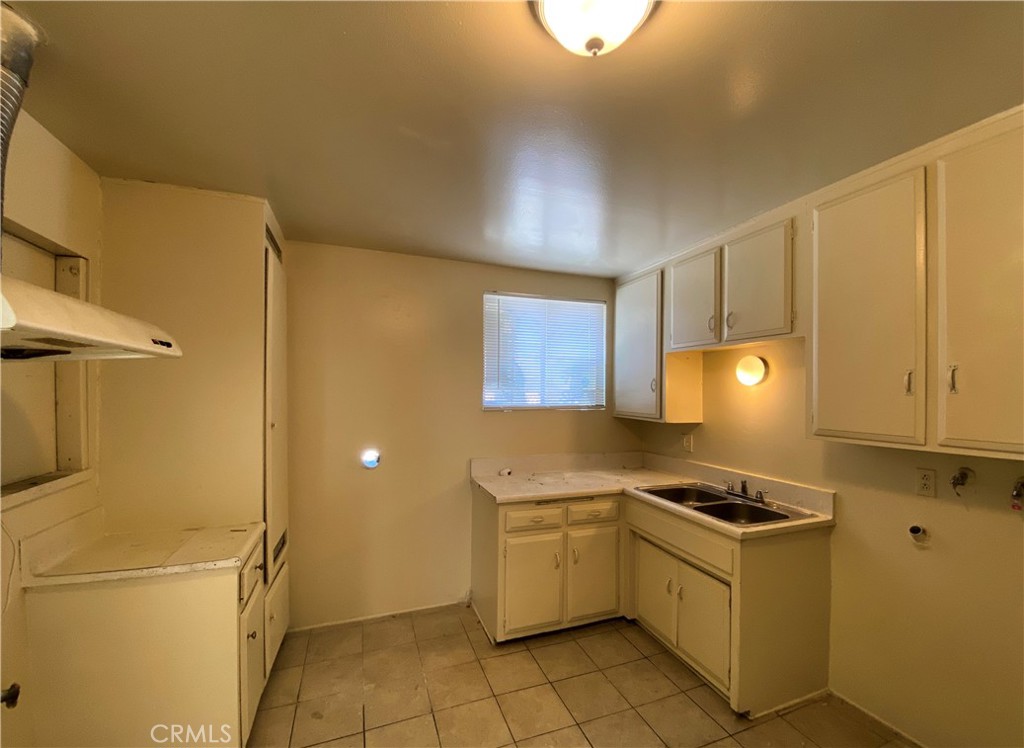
[(251, 575), (534, 519), (593, 512)]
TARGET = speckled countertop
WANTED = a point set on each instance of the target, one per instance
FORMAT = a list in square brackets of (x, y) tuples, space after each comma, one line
[(148, 554)]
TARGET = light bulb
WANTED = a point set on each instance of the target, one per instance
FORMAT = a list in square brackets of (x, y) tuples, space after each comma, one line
[(751, 370), (593, 27)]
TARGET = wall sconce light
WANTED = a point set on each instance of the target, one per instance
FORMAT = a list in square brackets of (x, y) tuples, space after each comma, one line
[(751, 370), (370, 458), (592, 27)]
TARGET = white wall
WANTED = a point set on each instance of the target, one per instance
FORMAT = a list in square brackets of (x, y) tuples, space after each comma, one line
[(53, 199), (386, 350), (927, 639)]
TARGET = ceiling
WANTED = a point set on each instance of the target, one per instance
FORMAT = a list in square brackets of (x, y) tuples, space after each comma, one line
[(462, 130)]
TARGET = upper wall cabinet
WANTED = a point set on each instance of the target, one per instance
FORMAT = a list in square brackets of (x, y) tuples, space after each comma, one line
[(648, 385), (742, 291), (980, 255), (869, 303), (874, 271)]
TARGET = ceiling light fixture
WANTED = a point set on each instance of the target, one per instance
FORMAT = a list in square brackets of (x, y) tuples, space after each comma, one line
[(592, 27), (751, 370)]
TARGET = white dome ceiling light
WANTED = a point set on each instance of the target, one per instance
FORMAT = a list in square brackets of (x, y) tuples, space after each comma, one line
[(592, 27)]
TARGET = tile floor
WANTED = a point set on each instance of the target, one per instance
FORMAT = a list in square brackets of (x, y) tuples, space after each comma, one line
[(433, 679)]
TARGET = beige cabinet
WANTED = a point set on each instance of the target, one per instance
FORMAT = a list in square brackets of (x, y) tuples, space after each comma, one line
[(592, 589), (533, 581), (250, 659), (638, 347), (869, 331), (648, 385), (684, 607), (980, 222), (540, 566), (741, 291), (276, 616), (275, 422)]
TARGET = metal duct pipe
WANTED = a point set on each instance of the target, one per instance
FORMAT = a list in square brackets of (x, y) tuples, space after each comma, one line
[(18, 38)]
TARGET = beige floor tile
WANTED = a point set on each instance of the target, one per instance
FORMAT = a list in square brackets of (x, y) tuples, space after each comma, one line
[(729, 742), (393, 663), (676, 671), (394, 701), (545, 640), (568, 737), (512, 672), (609, 649), (851, 712), (475, 725), (640, 682), (622, 730), (446, 651), (775, 733), (829, 726), (282, 688), (565, 660), (349, 741), (272, 728), (320, 720), (336, 641), (581, 632), (387, 632), (681, 723), (461, 684), (293, 651), (534, 711), (643, 641), (340, 675), (709, 700), (418, 732), (590, 696), (436, 624), (484, 649), (469, 618)]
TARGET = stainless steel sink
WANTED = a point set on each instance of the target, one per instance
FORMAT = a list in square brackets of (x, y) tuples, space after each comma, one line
[(688, 494), (741, 512)]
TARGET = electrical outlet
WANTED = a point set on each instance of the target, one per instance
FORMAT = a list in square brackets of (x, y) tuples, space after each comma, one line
[(925, 482), (687, 442)]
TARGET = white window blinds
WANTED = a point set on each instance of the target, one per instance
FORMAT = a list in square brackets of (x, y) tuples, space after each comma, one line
[(543, 353)]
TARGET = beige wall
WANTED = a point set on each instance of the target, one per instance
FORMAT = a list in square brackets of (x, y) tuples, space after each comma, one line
[(53, 199), (386, 350), (927, 639)]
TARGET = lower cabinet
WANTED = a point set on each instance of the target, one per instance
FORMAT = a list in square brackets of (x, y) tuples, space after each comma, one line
[(276, 616), (592, 573), (533, 581), (250, 659), (685, 607)]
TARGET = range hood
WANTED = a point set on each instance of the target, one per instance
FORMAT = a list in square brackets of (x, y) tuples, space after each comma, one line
[(36, 323)]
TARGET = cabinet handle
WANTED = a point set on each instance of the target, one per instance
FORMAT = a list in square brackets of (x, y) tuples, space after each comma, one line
[(537, 520), (728, 320), (558, 560), (654, 385), (668, 585), (951, 378), (908, 382), (259, 567), (711, 323), (575, 555), (252, 635), (272, 617), (679, 592), (594, 513)]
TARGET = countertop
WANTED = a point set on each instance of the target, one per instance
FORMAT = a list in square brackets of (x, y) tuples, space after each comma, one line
[(545, 486), (134, 555)]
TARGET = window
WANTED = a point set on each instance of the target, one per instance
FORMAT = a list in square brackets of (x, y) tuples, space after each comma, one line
[(543, 353)]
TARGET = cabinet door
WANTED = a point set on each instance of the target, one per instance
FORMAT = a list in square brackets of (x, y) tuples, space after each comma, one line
[(695, 300), (638, 347), (758, 285), (250, 659), (656, 583), (533, 581), (869, 296), (703, 630), (593, 572), (275, 618), (276, 416), (981, 319)]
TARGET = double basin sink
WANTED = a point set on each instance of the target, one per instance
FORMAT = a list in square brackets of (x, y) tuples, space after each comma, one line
[(723, 505)]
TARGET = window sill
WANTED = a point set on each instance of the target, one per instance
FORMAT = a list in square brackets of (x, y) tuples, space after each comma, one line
[(30, 489)]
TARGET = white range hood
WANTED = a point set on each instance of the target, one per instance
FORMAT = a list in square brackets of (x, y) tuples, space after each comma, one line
[(36, 323)]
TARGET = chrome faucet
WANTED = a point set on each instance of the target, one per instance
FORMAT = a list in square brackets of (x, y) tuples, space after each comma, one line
[(759, 496), (960, 478), (743, 487), (1018, 489)]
